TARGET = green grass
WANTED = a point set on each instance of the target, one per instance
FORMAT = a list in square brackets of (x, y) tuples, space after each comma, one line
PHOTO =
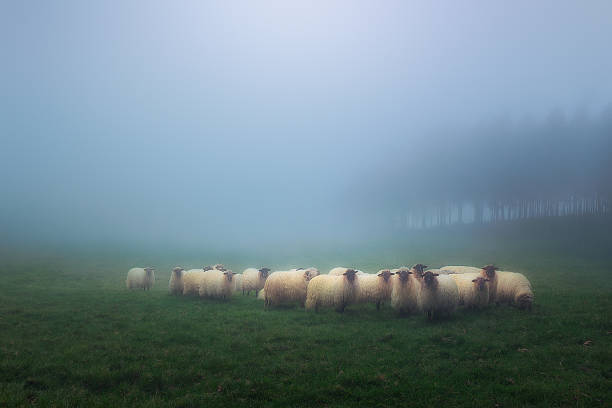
[(72, 335)]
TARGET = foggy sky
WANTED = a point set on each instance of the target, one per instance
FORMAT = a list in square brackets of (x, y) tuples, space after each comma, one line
[(243, 122)]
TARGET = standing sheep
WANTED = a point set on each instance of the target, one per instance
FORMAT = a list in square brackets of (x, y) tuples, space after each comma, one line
[(191, 280), (175, 286), (473, 289), (140, 278), (332, 291), (375, 288), (237, 282), (404, 295), (514, 288), (216, 284), (254, 279), (437, 295), (286, 287)]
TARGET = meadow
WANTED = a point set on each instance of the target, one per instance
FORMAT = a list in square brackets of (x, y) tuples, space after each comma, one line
[(72, 335)]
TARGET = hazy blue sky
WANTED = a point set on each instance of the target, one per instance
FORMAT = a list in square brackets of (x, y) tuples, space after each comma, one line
[(176, 121)]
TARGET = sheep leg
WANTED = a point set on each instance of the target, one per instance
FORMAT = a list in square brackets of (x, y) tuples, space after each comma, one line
[(377, 305)]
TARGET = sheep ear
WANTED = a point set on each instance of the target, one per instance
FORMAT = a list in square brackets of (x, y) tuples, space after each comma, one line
[(436, 274), (391, 273), (474, 280)]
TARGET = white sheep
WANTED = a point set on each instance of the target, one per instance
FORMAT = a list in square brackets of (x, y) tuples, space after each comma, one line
[(332, 291), (254, 279), (216, 284), (514, 288), (438, 295), (175, 286), (140, 278), (237, 282), (473, 289), (404, 294), (191, 280), (375, 288), (286, 287)]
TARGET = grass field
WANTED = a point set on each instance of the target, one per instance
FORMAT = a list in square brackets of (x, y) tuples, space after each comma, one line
[(72, 335)]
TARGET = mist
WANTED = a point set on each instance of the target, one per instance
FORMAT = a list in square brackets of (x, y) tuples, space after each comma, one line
[(234, 125)]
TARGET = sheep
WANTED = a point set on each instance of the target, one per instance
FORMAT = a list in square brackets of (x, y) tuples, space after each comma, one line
[(216, 284), (254, 279), (487, 272), (514, 288), (418, 270), (375, 288), (237, 282), (140, 278), (405, 291), (473, 289), (454, 269), (332, 291), (175, 286), (437, 295), (285, 287), (191, 280)]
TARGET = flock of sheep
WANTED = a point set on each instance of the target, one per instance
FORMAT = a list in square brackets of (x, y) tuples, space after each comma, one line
[(434, 292)]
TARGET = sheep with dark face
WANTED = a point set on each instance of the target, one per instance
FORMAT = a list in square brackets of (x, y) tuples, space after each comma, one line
[(405, 291), (438, 295), (473, 289), (192, 279), (337, 291), (175, 286), (286, 287), (375, 288), (515, 289), (216, 284), (254, 279), (140, 278), (418, 270)]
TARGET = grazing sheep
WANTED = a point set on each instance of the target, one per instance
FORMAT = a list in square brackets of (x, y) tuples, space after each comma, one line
[(473, 289), (254, 279), (404, 294), (140, 278), (191, 280), (514, 288), (438, 294), (332, 291), (175, 286), (237, 282), (454, 269), (375, 288), (216, 284), (286, 287)]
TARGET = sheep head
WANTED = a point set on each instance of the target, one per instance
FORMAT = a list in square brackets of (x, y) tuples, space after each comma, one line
[(489, 271), (350, 274), (430, 279), (385, 274), (220, 267), (149, 270), (419, 269), (403, 274), (207, 268), (263, 273), (178, 271), (228, 274), (480, 282)]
